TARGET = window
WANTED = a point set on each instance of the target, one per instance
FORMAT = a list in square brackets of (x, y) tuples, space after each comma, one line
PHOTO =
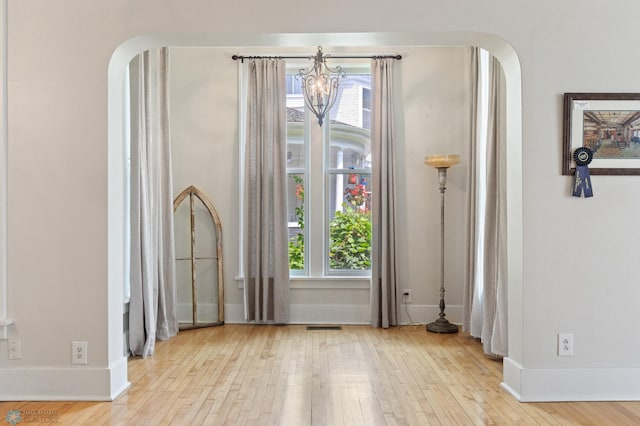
[(329, 171)]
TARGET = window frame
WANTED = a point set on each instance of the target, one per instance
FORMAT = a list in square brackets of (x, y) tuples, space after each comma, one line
[(317, 178), (304, 171)]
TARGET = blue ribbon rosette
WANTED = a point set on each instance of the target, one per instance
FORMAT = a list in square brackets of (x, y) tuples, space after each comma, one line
[(582, 156)]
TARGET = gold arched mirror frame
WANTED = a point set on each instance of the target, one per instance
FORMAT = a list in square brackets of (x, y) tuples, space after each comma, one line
[(192, 193)]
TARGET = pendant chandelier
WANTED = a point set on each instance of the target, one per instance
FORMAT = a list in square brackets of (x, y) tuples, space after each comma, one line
[(320, 85)]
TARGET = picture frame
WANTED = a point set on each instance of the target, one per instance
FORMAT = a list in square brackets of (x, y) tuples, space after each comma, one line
[(609, 125)]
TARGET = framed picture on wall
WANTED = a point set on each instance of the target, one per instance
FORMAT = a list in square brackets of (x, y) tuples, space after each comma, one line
[(609, 125)]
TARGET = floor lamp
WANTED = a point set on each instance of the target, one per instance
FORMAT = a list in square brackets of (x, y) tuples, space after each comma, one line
[(442, 163)]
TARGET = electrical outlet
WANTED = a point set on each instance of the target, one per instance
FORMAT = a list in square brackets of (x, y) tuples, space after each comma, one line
[(78, 352), (565, 344), (406, 295), (15, 351)]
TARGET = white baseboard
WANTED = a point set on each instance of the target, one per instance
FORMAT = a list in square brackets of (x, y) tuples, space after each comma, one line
[(207, 312), (329, 314), (349, 314), (64, 384), (575, 384), (511, 374), (234, 314), (424, 314), (119, 379)]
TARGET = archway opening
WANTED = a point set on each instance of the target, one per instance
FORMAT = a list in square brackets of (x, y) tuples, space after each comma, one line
[(117, 154)]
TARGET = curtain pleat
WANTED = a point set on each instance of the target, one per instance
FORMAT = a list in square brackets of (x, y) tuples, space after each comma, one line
[(469, 290), (152, 308), (384, 273), (266, 264), (495, 314), (484, 299)]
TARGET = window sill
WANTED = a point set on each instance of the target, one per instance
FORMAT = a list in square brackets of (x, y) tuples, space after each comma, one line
[(331, 282), (348, 282)]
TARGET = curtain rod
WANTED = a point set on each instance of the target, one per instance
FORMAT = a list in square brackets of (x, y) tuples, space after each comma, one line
[(242, 58)]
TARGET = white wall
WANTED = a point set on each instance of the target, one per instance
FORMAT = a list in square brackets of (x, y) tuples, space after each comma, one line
[(432, 106), (64, 177), (204, 129)]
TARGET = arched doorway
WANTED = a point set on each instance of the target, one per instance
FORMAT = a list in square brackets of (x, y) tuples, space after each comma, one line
[(117, 155)]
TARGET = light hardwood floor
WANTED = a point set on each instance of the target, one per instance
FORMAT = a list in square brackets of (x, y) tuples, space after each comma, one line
[(264, 375)]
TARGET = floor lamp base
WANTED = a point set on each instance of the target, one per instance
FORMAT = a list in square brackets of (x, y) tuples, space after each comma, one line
[(442, 325)]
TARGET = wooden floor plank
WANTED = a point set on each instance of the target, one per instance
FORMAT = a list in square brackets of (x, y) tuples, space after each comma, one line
[(269, 375)]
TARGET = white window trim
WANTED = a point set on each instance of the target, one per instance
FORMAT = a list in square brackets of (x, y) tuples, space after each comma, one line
[(323, 282), (242, 132)]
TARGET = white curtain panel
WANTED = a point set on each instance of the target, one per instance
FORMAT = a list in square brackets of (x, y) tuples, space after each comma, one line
[(471, 291), (485, 292), (384, 273), (152, 309), (266, 257), (495, 272)]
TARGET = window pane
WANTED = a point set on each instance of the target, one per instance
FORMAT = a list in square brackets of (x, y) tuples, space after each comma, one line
[(295, 219), (349, 222), (366, 108), (348, 204), (295, 131), (354, 96), (295, 156), (293, 85), (356, 156), (350, 128), (295, 165)]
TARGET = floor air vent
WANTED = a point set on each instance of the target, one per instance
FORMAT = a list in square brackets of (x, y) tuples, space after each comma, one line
[(323, 327)]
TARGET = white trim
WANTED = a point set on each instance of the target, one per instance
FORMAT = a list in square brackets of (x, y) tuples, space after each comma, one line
[(329, 314), (64, 384), (511, 377), (234, 313), (424, 314), (573, 384), (337, 282), (207, 312), (126, 139), (349, 314), (5, 321), (242, 135), (341, 283), (118, 381)]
